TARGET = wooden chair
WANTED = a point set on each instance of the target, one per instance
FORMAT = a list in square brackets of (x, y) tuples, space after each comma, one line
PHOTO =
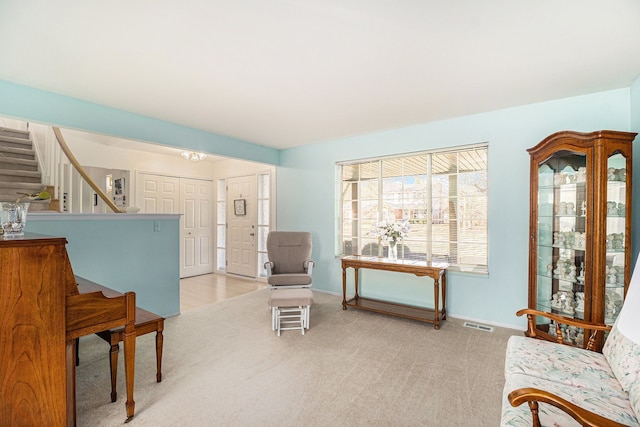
[(146, 322), (90, 313)]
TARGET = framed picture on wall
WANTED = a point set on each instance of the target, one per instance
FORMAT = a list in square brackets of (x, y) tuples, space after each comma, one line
[(118, 183), (240, 207)]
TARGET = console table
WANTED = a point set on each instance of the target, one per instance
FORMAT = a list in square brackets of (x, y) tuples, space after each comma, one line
[(435, 270)]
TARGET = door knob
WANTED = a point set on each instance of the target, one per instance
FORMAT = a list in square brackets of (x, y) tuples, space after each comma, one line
[(252, 234)]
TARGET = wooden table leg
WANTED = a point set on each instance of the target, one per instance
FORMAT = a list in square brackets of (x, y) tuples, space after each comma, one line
[(113, 365), (159, 340), (129, 370), (344, 288), (436, 294), (444, 295), (357, 280), (71, 358), (130, 358)]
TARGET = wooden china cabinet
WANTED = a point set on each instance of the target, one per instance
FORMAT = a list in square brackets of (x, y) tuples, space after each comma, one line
[(580, 229)]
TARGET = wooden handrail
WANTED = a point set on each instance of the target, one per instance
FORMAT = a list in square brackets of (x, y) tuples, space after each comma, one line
[(82, 172)]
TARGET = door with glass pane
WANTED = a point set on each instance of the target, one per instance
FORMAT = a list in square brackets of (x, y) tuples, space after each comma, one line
[(563, 259), (618, 234)]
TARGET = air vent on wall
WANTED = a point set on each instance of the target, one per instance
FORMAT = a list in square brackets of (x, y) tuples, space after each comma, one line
[(477, 326)]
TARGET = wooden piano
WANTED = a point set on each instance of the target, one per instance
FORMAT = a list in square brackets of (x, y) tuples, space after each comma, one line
[(41, 315)]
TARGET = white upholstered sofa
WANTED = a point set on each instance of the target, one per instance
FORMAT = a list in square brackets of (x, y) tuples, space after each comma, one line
[(550, 384)]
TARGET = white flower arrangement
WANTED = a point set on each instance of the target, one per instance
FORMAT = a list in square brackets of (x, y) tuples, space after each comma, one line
[(391, 232)]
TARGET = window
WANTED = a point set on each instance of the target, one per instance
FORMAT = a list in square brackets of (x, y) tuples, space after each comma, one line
[(221, 225), (443, 196), (264, 208)]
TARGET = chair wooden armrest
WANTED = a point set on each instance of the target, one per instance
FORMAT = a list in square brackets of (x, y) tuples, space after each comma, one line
[(587, 326), (533, 395)]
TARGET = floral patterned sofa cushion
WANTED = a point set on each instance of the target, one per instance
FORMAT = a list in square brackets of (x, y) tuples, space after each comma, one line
[(613, 407), (634, 398), (624, 357), (563, 364)]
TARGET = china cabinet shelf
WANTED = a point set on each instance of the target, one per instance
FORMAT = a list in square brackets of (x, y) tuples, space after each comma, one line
[(580, 228), (565, 280)]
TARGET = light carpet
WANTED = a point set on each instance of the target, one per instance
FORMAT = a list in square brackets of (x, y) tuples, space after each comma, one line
[(223, 366)]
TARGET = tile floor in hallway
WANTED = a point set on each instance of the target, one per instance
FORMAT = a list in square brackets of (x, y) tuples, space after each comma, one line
[(197, 291)]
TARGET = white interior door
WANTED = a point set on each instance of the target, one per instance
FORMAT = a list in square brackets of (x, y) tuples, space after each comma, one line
[(158, 193), (241, 226), (196, 231)]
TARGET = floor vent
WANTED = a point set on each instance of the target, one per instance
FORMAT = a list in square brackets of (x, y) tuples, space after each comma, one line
[(477, 326)]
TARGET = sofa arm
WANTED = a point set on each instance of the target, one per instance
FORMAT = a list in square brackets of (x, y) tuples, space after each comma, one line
[(593, 327), (533, 395)]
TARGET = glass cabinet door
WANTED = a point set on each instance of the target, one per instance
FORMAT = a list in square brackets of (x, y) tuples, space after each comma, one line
[(562, 241), (616, 228)]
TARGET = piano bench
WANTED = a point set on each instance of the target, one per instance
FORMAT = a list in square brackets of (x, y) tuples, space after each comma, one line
[(146, 322)]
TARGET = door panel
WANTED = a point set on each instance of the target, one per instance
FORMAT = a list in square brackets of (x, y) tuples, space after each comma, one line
[(160, 194), (197, 202), (241, 229), (193, 199)]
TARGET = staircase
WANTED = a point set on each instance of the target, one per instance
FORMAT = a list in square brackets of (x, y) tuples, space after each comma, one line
[(19, 172)]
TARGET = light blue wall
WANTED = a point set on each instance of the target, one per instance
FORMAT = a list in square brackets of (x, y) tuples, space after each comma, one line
[(26, 103), (123, 254), (306, 197), (306, 186)]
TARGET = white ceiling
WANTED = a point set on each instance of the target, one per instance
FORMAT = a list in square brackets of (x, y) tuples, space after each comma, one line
[(284, 73)]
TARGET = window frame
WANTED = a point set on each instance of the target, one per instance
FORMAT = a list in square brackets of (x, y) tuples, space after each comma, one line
[(463, 233)]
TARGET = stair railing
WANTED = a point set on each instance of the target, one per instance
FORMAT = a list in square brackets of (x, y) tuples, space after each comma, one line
[(72, 159)]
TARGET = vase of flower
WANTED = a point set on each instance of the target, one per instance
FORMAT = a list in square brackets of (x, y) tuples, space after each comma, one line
[(393, 250), (391, 233)]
